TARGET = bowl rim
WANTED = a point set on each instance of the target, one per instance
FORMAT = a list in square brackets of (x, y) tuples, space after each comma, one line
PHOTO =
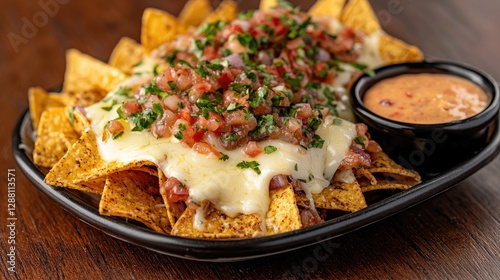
[(471, 73)]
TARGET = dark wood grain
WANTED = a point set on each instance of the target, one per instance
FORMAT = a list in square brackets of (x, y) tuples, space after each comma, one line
[(454, 235)]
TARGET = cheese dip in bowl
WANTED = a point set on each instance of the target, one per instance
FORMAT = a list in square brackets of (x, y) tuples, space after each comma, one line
[(428, 115)]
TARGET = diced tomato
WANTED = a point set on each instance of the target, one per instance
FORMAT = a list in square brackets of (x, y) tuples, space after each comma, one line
[(115, 127), (224, 80), (175, 190), (252, 149), (185, 114), (131, 107), (206, 149), (213, 123)]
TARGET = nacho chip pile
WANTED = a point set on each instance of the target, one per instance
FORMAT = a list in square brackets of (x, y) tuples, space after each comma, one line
[(67, 145)]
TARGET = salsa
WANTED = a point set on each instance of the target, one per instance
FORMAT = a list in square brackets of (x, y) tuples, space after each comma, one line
[(426, 98)]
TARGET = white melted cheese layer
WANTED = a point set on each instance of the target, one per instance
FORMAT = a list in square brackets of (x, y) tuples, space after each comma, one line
[(231, 189)]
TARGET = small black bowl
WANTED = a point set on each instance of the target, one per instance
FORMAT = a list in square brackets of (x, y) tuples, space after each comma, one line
[(429, 148)]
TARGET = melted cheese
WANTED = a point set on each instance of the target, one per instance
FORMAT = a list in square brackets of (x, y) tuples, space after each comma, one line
[(231, 189)]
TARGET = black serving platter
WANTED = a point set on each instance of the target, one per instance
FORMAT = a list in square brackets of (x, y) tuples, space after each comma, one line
[(85, 207)]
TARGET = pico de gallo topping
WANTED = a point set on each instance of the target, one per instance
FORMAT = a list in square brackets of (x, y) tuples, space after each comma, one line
[(258, 77)]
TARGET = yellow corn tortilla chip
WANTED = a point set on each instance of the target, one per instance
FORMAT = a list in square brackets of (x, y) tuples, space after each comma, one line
[(216, 225), (358, 14), (86, 97), (159, 27), (83, 163), (339, 196), (265, 5), (126, 54), (174, 210), (194, 12), (40, 100), (54, 136), (125, 195), (388, 175), (84, 72), (392, 50), (78, 121), (226, 11), (283, 214), (331, 8)]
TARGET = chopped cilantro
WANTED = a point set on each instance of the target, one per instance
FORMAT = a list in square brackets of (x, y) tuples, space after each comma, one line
[(108, 108), (172, 85), (265, 124), (224, 157), (314, 123), (225, 52), (293, 82), (234, 107), (246, 15), (155, 70), (249, 42), (330, 100), (276, 99), (143, 120), (117, 135), (229, 137), (183, 62), (72, 115), (270, 149), (178, 135), (316, 142), (249, 164), (123, 91), (363, 67), (153, 89), (360, 140)]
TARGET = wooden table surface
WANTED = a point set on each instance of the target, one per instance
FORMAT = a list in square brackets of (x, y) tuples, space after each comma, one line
[(454, 235)]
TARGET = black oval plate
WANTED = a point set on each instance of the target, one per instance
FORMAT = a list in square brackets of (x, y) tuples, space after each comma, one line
[(85, 207)]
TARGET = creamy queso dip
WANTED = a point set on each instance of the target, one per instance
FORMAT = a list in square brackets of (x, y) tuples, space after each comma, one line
[(426, 98)]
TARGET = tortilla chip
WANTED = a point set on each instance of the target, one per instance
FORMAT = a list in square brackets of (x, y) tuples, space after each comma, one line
[(159, 27), (330, 8), (40, 100), (358, 14), (282, 209), (339, 196), (194, 12), (83, 163), (126, 54), (226, 11), (87, 97), (283, 214), (174, 210), (78, 121), (267, 4), (388, 175), (392, 50), (84, 72), (125, 195), (54, 136)]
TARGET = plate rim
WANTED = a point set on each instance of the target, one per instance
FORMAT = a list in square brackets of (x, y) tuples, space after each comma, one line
[(244, 249)]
